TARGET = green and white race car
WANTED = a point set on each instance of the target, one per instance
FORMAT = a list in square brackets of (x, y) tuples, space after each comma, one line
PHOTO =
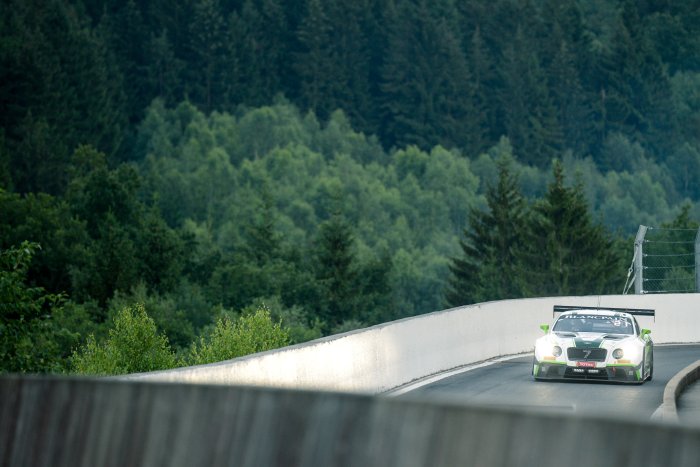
[(595, 343)]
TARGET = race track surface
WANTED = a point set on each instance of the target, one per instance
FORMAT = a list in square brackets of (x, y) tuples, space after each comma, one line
[(510, 384)]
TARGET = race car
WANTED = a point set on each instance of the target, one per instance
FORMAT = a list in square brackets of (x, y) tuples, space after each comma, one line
[(595, 343)]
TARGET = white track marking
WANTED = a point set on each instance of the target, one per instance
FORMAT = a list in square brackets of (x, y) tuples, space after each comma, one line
[(446, 374)]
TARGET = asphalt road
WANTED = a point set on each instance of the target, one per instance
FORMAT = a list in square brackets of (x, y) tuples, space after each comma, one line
[(510, 383)]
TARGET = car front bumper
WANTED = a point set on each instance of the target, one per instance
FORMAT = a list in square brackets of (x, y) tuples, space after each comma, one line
[(622, 373)]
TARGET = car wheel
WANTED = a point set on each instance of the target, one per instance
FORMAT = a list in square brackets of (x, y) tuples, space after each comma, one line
[(651, 367)]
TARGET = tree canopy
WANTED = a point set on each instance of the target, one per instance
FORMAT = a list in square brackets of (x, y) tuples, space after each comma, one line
[(347, 163)]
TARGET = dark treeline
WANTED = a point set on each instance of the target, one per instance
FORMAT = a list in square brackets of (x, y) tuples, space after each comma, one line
[(346, 163), (550, 75)]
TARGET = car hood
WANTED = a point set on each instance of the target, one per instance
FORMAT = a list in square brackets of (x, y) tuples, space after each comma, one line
[(590, 339)]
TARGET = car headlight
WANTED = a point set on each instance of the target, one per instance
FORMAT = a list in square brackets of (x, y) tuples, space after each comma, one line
[(546, 349), (628, 351)]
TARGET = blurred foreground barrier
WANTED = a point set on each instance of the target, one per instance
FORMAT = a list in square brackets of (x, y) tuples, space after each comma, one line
[(78, 422), (674, 388), (386, 356)]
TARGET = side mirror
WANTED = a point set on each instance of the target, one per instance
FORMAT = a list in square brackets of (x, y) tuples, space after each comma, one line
[(545, 328), (646, 332)]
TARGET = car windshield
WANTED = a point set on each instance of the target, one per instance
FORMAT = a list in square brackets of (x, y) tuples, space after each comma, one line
[(594, 323)]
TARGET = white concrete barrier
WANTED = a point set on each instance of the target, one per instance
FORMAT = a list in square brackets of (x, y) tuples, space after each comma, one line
[(386, 356), (70, 422)]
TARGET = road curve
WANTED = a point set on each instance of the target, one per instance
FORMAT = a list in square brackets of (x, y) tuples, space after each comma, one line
[(509, 383)]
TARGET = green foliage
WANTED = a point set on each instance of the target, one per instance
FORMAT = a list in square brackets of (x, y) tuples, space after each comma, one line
[(336, 272), (250, 333), (26, 344), (60, 89), (566, 252), (301, 325), (194, 153), (490, 266), (557, 249), (127, 242), (165, 311), (425, 87), (45, 220), (550, 75), (133, 346), (530, 114)]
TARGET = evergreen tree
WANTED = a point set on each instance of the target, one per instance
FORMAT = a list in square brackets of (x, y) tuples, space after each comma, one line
[(529, 114), (635, 87), (261, 41), (336, 272), (350, 58), (208, 51), (314, 64), (426, 97), (574, 113), (264, 242), (483, 115), (59, 89), (489, 267), (566, 252), (124, 33), (165, 69)]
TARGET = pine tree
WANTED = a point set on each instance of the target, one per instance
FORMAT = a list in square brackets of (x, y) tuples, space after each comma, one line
[(426, 96), (261, 41), (263, 240), (566, 252), (529, 114), (574, 113), (350, 56), (483, 77), (314, 64), (489, 268), (164, 69), (336, 272), (63, 90), (208, 52), (635, 87), (125, 34)]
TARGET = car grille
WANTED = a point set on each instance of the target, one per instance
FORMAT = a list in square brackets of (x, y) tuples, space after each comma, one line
[(595, 355)]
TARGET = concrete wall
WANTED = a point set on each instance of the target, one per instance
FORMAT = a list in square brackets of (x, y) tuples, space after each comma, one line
[(75, 423), (383, 357)]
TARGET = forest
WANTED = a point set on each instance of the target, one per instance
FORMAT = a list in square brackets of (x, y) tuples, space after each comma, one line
[(200, 179)]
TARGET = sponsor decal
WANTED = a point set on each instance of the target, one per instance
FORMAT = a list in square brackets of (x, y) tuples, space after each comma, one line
[(549, 357), (622, 361), (586, 364)]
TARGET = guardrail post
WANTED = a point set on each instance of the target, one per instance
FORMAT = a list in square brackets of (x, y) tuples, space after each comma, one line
[(639, 260)]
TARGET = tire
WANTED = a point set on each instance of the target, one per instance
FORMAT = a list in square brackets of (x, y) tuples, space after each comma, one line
[(651, 367)]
